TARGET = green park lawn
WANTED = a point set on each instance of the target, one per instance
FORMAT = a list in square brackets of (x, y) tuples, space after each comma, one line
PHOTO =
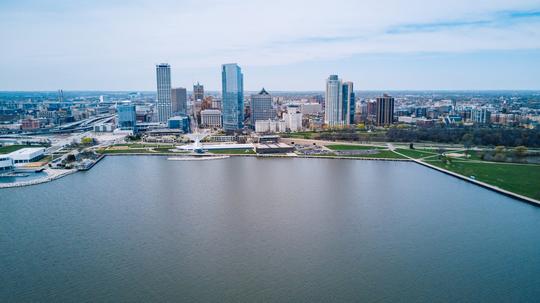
[(382, 154), (520, 179), (352, 147), (416, 153), (11, 148)]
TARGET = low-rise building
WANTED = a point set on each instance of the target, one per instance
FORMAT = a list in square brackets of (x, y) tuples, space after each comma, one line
[(26, 155), (6, 163)]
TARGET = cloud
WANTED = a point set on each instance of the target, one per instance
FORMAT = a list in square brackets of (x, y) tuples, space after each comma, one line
[(203, 34)]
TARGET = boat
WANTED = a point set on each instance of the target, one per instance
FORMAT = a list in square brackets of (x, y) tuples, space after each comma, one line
[(197, 158)]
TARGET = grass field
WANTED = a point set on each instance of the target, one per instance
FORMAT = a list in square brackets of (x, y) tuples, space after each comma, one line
[(521, 179), (382, 154), (126, 151), (351, 147), (233, 151), (11, 148), (416, 153)]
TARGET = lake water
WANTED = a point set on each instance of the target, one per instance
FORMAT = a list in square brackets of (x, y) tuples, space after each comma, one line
[(265, 230)]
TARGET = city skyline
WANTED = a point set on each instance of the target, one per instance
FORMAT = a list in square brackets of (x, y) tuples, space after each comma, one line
[(379, 45)]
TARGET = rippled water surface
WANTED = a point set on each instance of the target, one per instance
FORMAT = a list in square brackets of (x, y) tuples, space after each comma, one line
[(265, 230)]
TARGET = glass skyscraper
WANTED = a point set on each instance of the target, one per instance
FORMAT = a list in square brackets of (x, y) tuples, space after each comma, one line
[(179, 101), (339, 102), (127, 116), (163, 77), (261, 107), (348, 103), (232, 85), (333, 101)]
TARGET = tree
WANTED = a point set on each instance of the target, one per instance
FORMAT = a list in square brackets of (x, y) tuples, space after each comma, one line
[(520, 151)]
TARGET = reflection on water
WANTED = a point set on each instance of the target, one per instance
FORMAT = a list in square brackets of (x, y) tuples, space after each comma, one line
[(271, 230)]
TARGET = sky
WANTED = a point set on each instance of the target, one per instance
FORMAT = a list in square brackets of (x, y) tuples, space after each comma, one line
[(279, 44)]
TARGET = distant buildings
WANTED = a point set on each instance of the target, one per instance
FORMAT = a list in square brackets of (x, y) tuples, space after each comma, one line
[(29, 124), (481, 116), (339, 102), (179, 101), (261, 107), (127, 116), (198, 92), (211, 118), (164, 106), (232, 83), (385, 110), (310, 108)]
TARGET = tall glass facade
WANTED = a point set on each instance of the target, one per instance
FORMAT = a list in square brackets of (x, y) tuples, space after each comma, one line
[(348, 103), (333, 114), (232, 84), (261, 107), (127, 116), (164, 106)]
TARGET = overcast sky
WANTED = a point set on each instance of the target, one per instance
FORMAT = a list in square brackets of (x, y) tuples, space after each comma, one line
[(280, 44)]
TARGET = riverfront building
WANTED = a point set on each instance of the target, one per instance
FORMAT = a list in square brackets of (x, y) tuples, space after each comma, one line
[(232, 84), (179, 101), (261, 107), (385, 110), (163, 78)]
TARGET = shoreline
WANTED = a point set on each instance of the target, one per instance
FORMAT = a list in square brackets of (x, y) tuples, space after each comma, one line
[(499, 190), (58, 173)]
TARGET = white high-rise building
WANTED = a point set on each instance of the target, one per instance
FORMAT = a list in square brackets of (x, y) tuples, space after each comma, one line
[(293, 120), (333, 112), (164, 104)]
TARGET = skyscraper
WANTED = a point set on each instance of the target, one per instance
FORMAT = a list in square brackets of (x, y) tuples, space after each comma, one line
[(348, 103), (179, 100), (261, 107), (198, 92), (163, 76), (232, 85), (333, 101), (385, 110)]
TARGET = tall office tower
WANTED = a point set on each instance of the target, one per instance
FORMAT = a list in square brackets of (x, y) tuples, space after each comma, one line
[(179, 101), (232, 86), (164, 107), (385, 110), (127, 116), (348, 103), (198, 92), (261, 107), (333, 114)]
